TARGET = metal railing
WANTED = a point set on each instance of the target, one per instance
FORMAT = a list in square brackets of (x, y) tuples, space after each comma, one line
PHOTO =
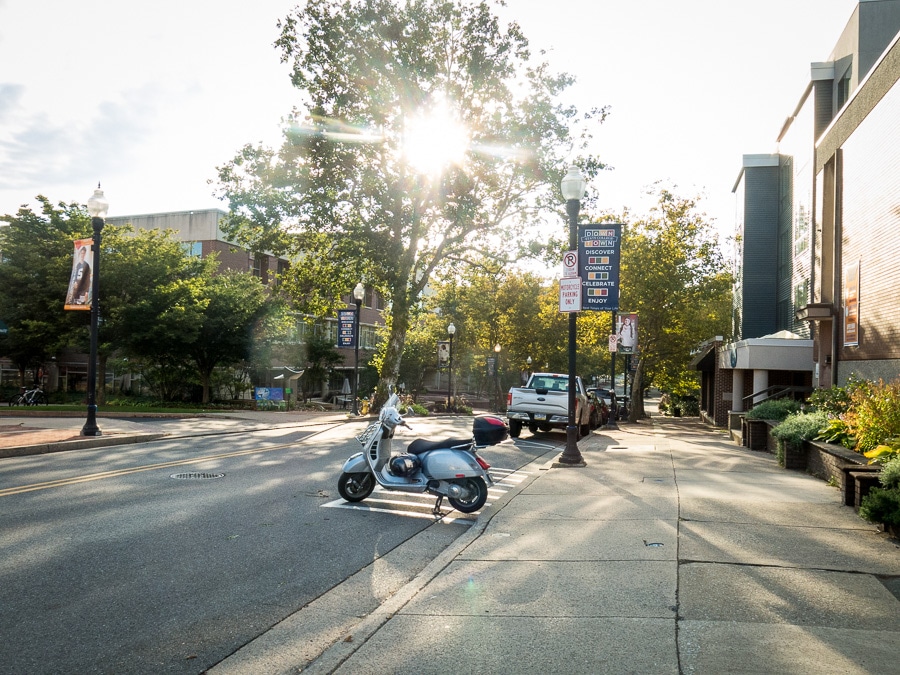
[(775, 391)]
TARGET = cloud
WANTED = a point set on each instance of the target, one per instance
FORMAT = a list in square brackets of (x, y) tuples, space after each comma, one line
[(10, 96), (37, 152)]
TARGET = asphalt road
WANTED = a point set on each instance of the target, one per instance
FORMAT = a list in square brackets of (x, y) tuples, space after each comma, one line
[(112, 564)]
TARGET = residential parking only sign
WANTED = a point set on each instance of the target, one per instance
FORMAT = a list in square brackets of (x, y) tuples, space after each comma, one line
[(599, 249)]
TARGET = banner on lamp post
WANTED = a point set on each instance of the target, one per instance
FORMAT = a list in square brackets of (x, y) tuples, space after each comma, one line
[(627, 332), (599, 251), (80, 288), (443, 353), (346, 326)]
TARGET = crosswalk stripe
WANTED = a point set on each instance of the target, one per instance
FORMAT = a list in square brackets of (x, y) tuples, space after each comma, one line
[(504, 480)]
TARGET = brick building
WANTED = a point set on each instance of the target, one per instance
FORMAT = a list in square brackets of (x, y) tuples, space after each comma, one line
[(816, 228)]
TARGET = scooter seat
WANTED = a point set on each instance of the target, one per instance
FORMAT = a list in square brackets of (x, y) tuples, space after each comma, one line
[(420, 445)]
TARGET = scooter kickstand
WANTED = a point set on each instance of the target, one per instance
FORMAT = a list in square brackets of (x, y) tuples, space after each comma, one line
[(436, 511)]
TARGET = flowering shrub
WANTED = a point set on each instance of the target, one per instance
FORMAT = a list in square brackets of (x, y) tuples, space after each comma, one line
[(874, 414)]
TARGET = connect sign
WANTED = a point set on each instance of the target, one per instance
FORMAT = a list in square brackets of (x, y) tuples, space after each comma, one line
[(599, 248), (346, 325)]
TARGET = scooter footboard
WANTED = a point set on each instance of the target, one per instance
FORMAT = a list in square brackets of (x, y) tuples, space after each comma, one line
[(449, 463), (356, 464)]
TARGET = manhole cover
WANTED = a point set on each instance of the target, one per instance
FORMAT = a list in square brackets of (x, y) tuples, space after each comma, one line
[(197, 476)]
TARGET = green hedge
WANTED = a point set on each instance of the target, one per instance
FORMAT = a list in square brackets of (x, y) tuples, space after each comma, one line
[(774, 409)]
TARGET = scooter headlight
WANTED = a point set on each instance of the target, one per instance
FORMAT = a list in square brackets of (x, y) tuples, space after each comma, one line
[(391, 417)]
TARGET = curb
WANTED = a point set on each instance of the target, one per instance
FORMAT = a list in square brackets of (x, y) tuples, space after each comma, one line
[(341, 650), (79, 444)]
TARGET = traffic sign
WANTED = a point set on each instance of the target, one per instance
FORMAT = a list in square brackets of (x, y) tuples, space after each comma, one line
[(570, 295), (570, 264)]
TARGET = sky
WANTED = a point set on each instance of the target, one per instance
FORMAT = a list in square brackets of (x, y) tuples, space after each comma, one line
[(149, 98)]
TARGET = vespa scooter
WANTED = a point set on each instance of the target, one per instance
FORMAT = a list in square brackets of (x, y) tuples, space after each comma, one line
[(448, 468)]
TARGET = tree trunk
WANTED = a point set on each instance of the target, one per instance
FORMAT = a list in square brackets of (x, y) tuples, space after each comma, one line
[(390, 369), (637, 395), (205, 377)]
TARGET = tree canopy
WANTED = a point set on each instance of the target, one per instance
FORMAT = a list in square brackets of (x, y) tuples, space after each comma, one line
[(674, 277), (348, 194), (34, 276), (158, 305)]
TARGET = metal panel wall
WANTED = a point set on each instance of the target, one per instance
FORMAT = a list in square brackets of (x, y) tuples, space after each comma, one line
[(761, 204)]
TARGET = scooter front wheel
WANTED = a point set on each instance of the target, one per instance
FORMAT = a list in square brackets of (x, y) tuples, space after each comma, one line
[(473, 497), (354, 487)]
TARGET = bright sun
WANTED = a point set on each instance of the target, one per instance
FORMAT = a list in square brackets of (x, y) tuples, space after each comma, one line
[(435, 138)]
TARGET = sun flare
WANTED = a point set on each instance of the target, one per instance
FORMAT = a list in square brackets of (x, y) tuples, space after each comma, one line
[(434, 139)]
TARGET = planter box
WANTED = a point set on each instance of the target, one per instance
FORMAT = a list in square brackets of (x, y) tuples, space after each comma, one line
[(794, 456), (829, 461), (863, 481), (757, 434)]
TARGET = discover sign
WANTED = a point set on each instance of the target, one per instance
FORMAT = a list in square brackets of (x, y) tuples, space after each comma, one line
[(599, 248)]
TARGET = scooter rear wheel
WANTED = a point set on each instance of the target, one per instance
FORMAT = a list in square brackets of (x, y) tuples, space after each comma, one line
[(475, 494), (354, 487)]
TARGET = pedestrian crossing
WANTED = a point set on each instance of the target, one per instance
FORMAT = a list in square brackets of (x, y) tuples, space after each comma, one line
[(411, 505)]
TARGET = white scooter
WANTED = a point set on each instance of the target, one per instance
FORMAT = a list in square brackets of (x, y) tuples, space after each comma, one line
[(448, 468)]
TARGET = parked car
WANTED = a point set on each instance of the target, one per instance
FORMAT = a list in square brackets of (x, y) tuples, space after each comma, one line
[(599, 410), (543, 404), (609, 397)]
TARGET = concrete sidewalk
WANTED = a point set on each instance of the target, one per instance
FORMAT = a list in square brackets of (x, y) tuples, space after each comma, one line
[(673, 551)]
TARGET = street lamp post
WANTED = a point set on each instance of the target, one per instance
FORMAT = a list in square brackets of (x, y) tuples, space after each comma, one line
[(98, 207), (359, 293), (451, 331), (497, 349), (573, 188)]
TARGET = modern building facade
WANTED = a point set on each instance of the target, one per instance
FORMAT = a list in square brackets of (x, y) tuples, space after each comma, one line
[(201, 234), (817, 225)]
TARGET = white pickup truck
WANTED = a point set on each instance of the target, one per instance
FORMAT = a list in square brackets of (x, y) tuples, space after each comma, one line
[(543, 403)]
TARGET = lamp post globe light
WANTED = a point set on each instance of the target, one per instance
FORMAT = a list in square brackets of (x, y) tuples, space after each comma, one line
[(451, 331), (573, 188), (359, 292), (98, 207)]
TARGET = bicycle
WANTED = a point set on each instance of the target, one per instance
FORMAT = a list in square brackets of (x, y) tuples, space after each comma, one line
[(27, 397)]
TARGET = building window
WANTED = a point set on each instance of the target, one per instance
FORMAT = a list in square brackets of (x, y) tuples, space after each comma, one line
[(843, 89), (193, 248), (801, 294), (261, 267)]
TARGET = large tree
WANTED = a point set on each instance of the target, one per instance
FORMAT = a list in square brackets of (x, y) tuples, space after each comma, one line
[(674, 276), (152, 297), (233, 304), (349, 195), (35, 265)]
